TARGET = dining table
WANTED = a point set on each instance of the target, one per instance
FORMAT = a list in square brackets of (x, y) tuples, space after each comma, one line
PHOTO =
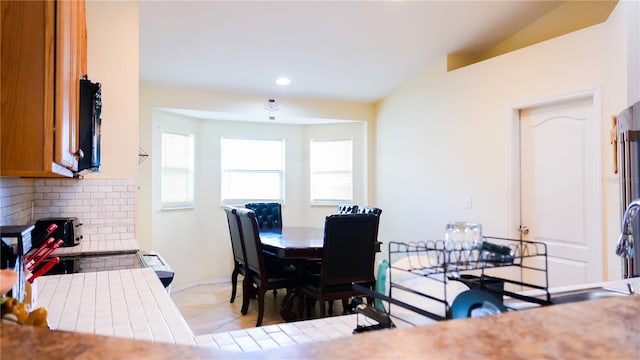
[(297, 245), (294, 242)]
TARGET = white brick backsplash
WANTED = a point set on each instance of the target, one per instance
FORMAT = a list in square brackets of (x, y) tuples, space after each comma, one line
[(43, 189), (97, 195), (115, 194), (67, 196), (90, 189), (105, 207), (16, 200)]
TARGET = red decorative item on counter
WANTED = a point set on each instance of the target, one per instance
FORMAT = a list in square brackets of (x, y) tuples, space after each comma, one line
[(43, 270), (32, 264)]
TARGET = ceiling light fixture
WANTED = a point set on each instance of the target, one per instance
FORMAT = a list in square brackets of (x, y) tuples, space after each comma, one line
[(271, 107), (283, 81)]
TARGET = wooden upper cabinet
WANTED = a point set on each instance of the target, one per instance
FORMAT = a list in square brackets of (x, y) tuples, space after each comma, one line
[(43, 58)]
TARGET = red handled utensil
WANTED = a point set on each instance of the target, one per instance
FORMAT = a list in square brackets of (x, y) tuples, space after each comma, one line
[(46, 267), (35, 239), (46, 244), (45, 255)]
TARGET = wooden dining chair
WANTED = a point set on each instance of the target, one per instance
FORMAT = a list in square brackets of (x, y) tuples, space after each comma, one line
[(259, 273), (348, 256), (269, 215), (237, 247)]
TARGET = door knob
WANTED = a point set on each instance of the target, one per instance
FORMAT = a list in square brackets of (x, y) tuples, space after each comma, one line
[(523, 229)]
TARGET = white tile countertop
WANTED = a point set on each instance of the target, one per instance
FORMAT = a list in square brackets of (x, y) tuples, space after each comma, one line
[(133, 304), (123, 303)]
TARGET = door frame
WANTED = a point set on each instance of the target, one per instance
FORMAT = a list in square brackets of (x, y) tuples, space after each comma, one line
[(594, 135)]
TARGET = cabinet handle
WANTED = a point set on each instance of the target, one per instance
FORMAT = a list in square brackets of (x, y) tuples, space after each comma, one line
[(79, 154), (523, 229)]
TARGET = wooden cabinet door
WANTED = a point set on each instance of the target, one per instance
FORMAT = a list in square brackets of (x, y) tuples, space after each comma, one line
[(69, 34), (43, 58), (27, 111)]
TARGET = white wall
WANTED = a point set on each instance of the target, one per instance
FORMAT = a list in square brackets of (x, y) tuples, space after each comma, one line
[(196, 241), (112, 36), (444, 135), (154, 96)]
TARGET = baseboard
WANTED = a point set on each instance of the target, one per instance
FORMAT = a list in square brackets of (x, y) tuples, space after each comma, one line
[(175, 289)]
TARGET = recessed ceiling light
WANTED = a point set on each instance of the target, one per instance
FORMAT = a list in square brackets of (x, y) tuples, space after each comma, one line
[(283, 81)]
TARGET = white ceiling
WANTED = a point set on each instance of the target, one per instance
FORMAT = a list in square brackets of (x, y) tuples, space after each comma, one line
[(331, 50)]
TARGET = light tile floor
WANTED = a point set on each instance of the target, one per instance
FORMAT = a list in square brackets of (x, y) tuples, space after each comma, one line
[(207, 310), (219, 324)]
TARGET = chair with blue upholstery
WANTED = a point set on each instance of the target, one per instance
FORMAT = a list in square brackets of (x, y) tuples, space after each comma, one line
[(268, 214)]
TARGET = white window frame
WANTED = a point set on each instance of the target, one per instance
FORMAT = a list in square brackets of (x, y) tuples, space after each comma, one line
[(243, 200), (188, 167), (350, 172)]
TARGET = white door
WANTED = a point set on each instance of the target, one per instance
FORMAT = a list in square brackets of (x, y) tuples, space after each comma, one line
[(559, 177)]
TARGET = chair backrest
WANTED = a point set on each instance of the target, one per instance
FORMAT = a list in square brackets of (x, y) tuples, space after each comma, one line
[(269, 215), (251, 240), (236, 234), (349, 248), (347, 209), (370, 210)]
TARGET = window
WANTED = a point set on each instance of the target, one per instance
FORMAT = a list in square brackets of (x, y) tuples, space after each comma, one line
[(331, 165), (252, 170), (177, 167)]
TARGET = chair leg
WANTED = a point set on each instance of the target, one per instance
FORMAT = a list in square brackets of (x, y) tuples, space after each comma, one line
[(246, 295), (345, 306), (234, 283), (330, 309), (300, 296), (321, 302), (311, 303), (261, 294)]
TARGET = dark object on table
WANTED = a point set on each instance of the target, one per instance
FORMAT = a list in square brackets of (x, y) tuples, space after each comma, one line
[(268, 214), (348, 256), (495, 253), (239, 259), (264, 278)]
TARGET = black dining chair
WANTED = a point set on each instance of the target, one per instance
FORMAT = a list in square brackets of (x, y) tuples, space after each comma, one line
[(237, 248), (348, 256), (347, 209), (269, 215), (265, 275)]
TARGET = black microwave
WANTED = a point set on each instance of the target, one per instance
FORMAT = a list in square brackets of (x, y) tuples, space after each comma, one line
[(90, 115)]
